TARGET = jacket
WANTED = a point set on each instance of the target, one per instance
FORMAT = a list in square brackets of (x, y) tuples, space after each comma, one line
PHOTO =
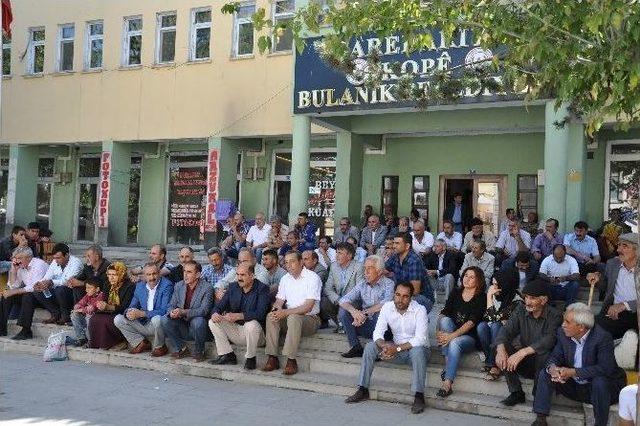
[(201, 301), (354, 275), (610, 277), (164, 291), (449, 264), (257, 302)]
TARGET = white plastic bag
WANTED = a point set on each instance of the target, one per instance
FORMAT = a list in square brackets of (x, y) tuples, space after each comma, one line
[(56, 349)]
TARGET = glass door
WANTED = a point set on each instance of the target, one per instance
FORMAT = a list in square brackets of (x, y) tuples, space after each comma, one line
[(622, 174), (87, 196)]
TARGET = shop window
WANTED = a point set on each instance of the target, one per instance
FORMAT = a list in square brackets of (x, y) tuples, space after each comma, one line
[(283, 14), (134, 200), (43, 196), (132, 49), (94, 46), (389, 196), (187, 199), (166, 38), (527, 194), (243, 30), (420, 195), (199, 47), (66, 38), (6, 55), (623, 161), (35, 52)]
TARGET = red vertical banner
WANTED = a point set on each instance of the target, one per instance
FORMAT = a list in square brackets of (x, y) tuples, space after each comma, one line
[(213, 170), (103, 191)]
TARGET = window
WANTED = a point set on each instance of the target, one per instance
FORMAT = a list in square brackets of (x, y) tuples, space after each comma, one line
[(420, 195), (35, 53), (283, 13), (199, 47), (66, 35), (527, 194), (132, 52), (389, 196), (134, 200), (43, 190), (94, 46), (166, 38), (243, 30), (6, 55)]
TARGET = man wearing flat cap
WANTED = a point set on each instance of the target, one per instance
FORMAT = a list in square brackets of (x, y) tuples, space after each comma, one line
[(533, 326), (619, 310)]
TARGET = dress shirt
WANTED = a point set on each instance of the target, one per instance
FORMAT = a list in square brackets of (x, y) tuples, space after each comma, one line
[(331, 252), (60, 276), (27, 277), (296, 291), (261, 274), (509, 243), (258, 236), (421, 247), (276, 276), (543, 245), (587, 246), (151, 295), (538, 333), (412, 326), (486, 263), (551, 268), (453, 241), (457, 214), (577, 357), (625, 289), (366, 295), (410, 269), (361, 254), (488, 238), (213, 275)]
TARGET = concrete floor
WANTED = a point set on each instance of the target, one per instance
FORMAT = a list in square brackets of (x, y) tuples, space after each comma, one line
[(73, 393)]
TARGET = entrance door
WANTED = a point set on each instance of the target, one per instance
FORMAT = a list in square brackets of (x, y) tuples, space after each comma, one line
[(87, 196), (484, 195)]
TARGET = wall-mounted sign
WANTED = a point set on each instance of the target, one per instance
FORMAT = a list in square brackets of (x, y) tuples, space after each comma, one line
[(105, 187), (212, 190), (319, 88)]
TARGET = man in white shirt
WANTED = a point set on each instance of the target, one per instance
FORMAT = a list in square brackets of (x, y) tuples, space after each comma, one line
[(422, 240), (627, 405), (25, 271), (511, 241), (258, 236), (451, 237), (562, 274), (409, 325), (300, 289), (55, 290), (326, 253)]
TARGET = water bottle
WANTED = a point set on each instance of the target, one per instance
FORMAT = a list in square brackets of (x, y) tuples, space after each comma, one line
[(46, 293)]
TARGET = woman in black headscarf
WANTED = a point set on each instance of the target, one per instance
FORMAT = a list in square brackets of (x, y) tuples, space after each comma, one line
[(502, 298)]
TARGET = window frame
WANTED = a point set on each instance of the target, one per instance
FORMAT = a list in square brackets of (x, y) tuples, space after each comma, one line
[(520, 207), (60, 46), (237, 21), (31, 50), (275, 18), (160, 31), (87, 47), (126, 40), (426, 186), (193, 32), (6, 46), (394, 179)]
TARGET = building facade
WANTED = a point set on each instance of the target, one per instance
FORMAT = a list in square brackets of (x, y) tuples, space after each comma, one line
[(142, 122)]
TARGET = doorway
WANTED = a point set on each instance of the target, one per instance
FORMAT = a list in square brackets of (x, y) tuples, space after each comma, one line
[(87, 198), (484, 195)]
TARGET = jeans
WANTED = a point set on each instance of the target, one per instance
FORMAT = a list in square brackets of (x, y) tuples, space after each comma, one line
[(352, 332), (79, 322), (568, 292), (417, 357), (5, 266), (455, 349), (487, 333), (179, 330)]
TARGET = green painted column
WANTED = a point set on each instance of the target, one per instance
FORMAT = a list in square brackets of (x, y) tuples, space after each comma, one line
[(154, 187), (300, 155), (556, 145), (63, 200), (349, 173), (22, 185), (576, 159), (113, 193)]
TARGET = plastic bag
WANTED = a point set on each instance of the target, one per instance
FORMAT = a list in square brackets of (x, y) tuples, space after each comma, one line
[(56, 349)]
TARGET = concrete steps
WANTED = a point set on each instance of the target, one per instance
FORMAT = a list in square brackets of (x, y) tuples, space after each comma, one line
[(324, 370)]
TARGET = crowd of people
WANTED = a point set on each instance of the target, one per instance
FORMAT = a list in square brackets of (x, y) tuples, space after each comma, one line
[(511, 296)]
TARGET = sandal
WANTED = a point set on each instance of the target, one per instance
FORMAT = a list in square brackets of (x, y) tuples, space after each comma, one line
[(493, 374), (443, 393)]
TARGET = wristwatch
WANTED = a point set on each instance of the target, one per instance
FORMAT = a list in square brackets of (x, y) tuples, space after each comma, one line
[(398, 349)]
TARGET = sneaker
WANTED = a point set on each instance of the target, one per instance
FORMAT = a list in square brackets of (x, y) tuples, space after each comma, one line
[(513, 399), (362, 394)]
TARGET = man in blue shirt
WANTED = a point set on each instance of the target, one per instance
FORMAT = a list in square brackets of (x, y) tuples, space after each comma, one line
[(583, 248), (306, 231), (407, 266)]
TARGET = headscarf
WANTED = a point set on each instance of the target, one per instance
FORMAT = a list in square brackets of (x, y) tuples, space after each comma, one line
[(508, 282), (121, 273)]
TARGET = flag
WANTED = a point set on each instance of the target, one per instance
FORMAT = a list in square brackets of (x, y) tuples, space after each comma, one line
[(7, 17)]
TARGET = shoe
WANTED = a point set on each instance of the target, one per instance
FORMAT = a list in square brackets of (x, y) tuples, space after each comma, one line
[(540, 421), (354, 352), (272, 364), (225, 359), (182, 353), (418, 404), (362, 394), (161, 351), (64, 321), (80, 342), (51, 320), (513, 399), (291, 368), (443, 393), (23, 335), (199, 357), (323, 325), (142, 347), (250, 363)]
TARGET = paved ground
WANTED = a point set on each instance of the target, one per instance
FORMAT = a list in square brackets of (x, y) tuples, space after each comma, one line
[(74, 393)]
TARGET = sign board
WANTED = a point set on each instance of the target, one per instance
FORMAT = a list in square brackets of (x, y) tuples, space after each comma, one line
[(319, 88), (213, 170), (187, 192), (103, 191)]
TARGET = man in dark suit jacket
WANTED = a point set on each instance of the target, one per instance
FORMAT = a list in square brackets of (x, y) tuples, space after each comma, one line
[(187, 315), (442, 267), (240, 317), (581, 367), (457, 213)]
